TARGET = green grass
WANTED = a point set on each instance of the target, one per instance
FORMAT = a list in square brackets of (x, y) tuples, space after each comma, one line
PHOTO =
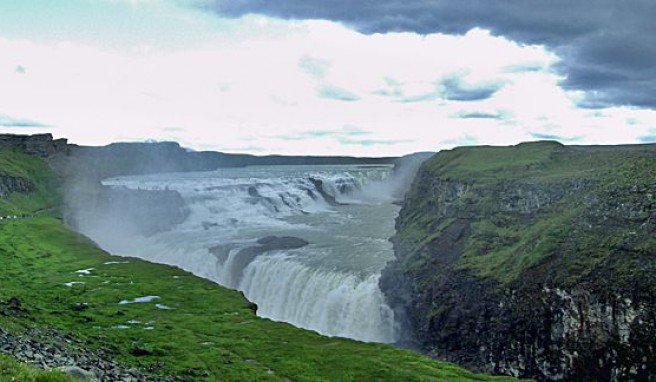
[(503, 252), (502, 243), (211, 333), (211, 329), (12, 371), (482, 162), (16, 164)]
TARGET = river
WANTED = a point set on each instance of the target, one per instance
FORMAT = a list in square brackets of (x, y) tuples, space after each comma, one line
[(325, 280)]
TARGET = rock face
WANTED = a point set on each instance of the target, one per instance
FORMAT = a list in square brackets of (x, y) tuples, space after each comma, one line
[(42, 145), (535, 261), (50, 349), (10, 184), (247, 254)]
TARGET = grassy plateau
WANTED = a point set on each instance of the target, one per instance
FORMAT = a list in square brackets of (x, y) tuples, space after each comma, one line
[(532, 203)]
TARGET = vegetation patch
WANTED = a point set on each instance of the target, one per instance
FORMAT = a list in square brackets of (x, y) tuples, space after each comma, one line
[(490, 162), (532, 204), (12, 370), (33, 171)]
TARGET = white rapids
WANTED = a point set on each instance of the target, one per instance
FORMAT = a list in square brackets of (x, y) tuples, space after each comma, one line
[(330, 285)]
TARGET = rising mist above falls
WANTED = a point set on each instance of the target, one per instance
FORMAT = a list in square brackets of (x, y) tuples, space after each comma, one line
[(214, 223)]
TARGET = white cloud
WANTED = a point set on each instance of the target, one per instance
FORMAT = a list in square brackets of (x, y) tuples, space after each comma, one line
[(249, 86)]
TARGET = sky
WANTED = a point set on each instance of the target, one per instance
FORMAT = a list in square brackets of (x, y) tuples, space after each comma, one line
[(331, 77)]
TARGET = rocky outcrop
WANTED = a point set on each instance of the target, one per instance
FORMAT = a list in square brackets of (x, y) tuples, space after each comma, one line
[(533, 261), (247, 254), (10, 184), (41, 145), (51, 349), (318, 186)]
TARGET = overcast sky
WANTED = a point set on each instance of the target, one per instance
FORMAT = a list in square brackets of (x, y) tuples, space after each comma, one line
[(367, 78)]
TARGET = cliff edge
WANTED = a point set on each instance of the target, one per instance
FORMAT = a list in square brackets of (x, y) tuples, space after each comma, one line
[(535, 260), (40, 145)]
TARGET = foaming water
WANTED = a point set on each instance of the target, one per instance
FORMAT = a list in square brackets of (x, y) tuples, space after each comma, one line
[(335, 303), (344, 214)]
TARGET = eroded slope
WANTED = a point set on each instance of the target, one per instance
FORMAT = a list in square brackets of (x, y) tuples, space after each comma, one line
[(534, 260)]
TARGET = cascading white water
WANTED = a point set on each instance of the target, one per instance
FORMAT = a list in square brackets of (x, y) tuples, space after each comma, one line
[(334, 303), (330, 285)]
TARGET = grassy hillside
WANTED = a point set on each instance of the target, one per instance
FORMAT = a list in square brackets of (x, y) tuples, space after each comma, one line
[(536, 260), (16, 164), (193, 329), (523, 202)]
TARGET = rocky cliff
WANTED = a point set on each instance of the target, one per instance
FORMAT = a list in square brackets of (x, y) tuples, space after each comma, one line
[(10, 184), (536, 260), (41, 145), (25, 183)]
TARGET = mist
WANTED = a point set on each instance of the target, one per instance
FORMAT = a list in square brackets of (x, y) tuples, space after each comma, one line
[(306, 243)]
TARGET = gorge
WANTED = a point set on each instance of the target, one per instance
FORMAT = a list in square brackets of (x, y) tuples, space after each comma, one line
[(535, 260), (531, 261)]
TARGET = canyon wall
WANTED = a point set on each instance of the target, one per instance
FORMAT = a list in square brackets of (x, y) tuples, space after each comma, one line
[(536, 260)]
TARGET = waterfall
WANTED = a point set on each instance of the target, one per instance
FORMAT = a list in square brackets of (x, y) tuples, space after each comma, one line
[(332, 303), (330, 285)]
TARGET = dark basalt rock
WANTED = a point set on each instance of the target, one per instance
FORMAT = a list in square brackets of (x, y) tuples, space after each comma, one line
[(138, 351), (11, 184), (271, 243), (51, 349), (252, 191), (12, 307), (221, 252), (246, 255), (318, 185), (80, 306), (42, 145), (577, 301)]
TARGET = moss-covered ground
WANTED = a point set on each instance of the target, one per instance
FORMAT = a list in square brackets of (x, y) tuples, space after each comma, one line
[(193, 328), (588, 204), (35, 170)]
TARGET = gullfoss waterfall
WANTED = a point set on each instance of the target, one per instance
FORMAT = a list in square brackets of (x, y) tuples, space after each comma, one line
[(305, 243)]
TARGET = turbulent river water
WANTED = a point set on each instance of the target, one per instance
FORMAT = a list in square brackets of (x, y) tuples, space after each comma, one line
[(344, 213)]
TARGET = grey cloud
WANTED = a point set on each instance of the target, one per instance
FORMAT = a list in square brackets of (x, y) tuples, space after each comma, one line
[(554, 137), (466, 140), (336, 93), (478, 115), (173, 129), (525, 68), (456, 89), (7, 121), (314, 67), (344, 133), (373, 142), (394, 93), (393, 88), (607, 46), (432, 96), (650, 137)]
